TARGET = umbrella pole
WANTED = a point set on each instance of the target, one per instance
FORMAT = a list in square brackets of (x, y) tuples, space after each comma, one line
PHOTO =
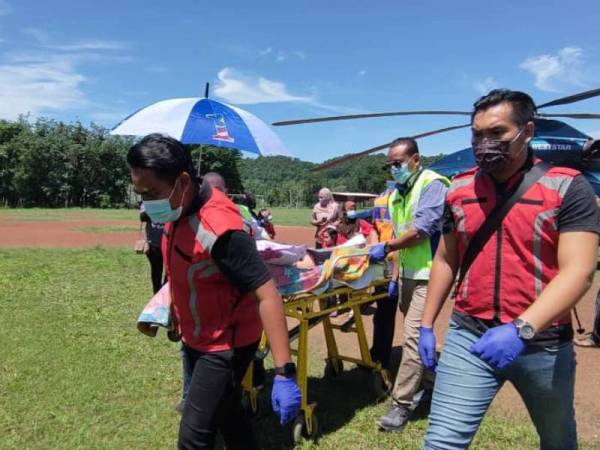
[(199, 162), (206, 89)]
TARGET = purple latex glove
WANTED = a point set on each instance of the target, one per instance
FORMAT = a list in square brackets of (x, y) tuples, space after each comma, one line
[(427, 348), (285, 398), (499, 346), (393, 290), (376, 253)]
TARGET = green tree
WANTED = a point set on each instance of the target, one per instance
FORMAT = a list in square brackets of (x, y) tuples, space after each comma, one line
[(221, 160)]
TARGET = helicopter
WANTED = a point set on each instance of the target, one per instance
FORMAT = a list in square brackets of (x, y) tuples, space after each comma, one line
[(554, 141)]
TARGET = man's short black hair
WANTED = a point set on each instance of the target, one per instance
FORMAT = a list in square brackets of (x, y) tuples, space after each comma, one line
[(410, 143), (168, 157), (249, 201), (522, 104)]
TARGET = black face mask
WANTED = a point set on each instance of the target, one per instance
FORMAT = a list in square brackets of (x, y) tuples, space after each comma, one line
[(492, 155)]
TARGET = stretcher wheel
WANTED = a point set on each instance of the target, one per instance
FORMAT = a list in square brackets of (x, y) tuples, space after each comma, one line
[(333, 367), (299, 428), (381, 386)]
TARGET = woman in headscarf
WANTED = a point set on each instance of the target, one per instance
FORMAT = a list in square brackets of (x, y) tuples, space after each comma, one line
[(324, 213)]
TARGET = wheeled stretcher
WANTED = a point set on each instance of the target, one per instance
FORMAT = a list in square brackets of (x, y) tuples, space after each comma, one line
[(313, 308), (346, 276)]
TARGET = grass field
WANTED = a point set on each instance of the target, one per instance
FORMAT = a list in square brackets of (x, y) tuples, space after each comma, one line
[(59, 214), (75, 372), (291, 216), (281, 216)]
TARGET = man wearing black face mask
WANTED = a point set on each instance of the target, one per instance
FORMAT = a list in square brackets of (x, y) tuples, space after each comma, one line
[(511, 318)]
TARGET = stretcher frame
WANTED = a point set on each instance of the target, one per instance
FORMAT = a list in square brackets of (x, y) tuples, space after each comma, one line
[(309, 310)]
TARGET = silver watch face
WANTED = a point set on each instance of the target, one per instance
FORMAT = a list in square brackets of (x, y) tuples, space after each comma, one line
[(526, 332)]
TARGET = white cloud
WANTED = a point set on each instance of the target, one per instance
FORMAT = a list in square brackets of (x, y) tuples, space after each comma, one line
[(47, 77), (235, 87), (362, 73), (5, 8), (84, 45), (44, 40), (556, 73), (280, 56), (39, 86), (38, 34), (486, 85)]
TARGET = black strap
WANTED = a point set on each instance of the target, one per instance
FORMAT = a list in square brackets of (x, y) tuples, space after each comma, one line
[(493, 221)]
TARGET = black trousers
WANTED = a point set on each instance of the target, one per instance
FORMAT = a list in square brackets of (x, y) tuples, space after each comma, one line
[(384, 324), (214, 400), (154, 255)]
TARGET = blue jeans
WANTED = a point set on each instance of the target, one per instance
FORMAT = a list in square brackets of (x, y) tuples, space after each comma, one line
[(465, 387)]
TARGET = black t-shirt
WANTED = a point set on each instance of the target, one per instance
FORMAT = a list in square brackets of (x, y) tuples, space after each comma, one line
[(154, 230), (236, 256), (578, 212)]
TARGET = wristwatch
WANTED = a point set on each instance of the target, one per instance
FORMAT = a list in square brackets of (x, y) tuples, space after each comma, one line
[(287, 370), (524, 329)]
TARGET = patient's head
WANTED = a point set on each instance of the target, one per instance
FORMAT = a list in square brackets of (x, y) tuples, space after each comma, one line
[(329, 237)]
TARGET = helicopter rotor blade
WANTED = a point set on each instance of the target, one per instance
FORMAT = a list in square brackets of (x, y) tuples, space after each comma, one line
[(572, 98), (347, 158), (353, 156), (367, 116), (440, 130), (573, 115)]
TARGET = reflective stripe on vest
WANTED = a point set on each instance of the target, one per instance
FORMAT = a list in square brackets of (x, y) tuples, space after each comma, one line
[(415, 262), (207, 267)]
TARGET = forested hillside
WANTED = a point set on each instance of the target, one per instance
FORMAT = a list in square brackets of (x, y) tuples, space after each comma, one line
[(53, 164)]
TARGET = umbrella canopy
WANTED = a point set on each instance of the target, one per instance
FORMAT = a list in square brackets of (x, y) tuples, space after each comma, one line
[(204, 121)]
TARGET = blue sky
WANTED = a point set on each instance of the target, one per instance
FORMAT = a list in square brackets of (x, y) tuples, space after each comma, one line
[(101, 60)]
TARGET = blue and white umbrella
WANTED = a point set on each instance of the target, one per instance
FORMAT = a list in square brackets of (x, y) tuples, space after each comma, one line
[(204, 121)]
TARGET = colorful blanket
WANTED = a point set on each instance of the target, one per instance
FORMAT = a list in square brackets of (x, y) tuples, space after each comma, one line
[(346, 265), (156, 312), (280, 254)]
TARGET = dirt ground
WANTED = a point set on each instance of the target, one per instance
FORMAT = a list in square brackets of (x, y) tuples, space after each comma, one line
[(68, 234)]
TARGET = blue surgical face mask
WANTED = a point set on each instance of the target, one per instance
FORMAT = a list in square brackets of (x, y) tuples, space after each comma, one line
[(400, 174), (160, 211), (351, 214)]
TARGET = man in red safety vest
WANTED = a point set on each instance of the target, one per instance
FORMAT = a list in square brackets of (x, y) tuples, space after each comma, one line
[(221, 294), (511, 319)]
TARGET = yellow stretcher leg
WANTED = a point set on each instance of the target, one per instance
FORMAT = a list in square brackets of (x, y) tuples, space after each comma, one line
[(250, 392), (333, 362)]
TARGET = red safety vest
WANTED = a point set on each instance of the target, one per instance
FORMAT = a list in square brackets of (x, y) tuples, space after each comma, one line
[(520, 259), (212, 314)]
